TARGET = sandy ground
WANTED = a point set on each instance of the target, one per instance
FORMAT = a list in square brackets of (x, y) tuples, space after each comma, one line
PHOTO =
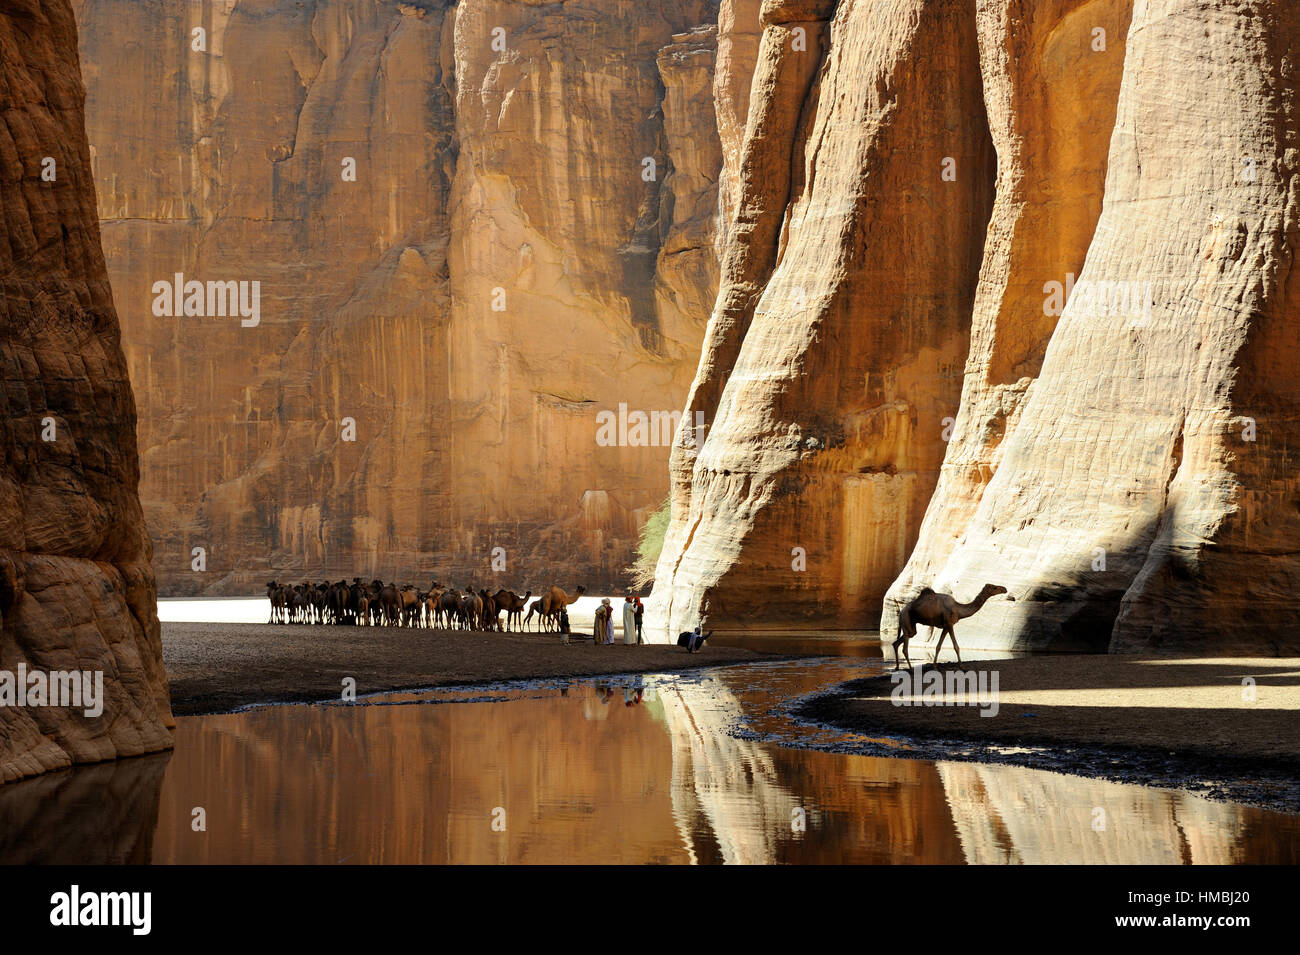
[(1189, 723), (1192, 705), (216, 667)]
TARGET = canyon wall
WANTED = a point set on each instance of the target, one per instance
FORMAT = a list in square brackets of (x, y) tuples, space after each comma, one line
[(834, 350), (475, 226), (1093, 373), (76, 589), (1146, 497)]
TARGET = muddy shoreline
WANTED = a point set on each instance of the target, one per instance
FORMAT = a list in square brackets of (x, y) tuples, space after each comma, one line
[(220, 667), (1124, 719)]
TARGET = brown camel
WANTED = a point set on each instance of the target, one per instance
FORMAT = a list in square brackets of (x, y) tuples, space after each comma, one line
[(490, 613), (279, 601), (408, 604), (937, 610), (431, 602), (471, 608), (512, 604), (390, 604), (555, 600), (448, 608), (535, 608)]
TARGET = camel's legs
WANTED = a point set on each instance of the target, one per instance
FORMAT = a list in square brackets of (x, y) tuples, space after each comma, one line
[(945, 633), (904, 637), (957, 649)]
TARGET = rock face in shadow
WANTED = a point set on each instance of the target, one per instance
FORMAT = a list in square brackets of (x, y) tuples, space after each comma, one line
[(475, 226), (832, 356), (1145, 494), (76, 588)]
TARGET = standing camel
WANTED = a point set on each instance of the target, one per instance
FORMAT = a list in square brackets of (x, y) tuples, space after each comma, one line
[(275, 593), (390, 604), (555, 600), (512, 604), (471, 608), (448, 608), (937, 610), (535, 608)]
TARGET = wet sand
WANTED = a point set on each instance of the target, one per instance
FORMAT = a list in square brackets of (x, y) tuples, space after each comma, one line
[(1189, 723), (218, 667)]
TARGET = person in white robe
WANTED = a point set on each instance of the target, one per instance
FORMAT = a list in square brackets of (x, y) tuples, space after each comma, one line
[(629, 620)]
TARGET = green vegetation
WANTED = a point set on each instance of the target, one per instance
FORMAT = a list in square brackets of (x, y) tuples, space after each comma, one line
[(650, 546)]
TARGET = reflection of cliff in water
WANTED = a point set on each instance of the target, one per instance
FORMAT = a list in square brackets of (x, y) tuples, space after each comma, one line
[(726, 790), (103, 814), (619, 771), (1038, 817)]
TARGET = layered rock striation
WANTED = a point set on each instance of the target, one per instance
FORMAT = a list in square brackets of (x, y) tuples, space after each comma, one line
[(475, 226), (834, 349), (1146, 496)]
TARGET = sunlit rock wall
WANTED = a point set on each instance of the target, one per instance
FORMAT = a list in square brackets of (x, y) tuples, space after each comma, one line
[(76, 589), (834, 350), (463, 260), (1102, 359), (1146, 497), (1050, 90)]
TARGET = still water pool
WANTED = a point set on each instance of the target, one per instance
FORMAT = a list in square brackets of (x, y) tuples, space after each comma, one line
[(674, 769)]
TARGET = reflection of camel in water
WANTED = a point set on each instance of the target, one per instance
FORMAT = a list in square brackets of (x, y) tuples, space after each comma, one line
[(937, 610)]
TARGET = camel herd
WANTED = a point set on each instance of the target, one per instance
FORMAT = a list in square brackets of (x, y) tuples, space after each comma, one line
[(379, 604)]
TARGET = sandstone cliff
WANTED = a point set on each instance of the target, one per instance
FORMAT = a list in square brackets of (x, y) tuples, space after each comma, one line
[(833, 351), (475, 226), (1121, 465), (1146, 496), (76, 589)]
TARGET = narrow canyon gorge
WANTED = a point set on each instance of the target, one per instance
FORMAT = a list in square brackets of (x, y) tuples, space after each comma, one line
[(942, 292)]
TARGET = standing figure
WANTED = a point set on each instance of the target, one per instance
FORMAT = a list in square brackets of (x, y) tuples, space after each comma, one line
[(629, 621), (640, 614), (598, 628), (609, 620)]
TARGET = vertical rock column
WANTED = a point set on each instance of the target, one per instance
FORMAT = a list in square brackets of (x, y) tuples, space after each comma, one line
[(76, 588), (830, 360), (1147, 497), (1051, 82)]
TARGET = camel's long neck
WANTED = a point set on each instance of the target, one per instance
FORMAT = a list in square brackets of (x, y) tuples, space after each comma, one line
[(972, 608)]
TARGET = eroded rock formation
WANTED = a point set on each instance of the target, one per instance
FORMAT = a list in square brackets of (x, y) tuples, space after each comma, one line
[(1122, 466), (833, 351), (1146, 496), (527, 241), (76, 588)]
